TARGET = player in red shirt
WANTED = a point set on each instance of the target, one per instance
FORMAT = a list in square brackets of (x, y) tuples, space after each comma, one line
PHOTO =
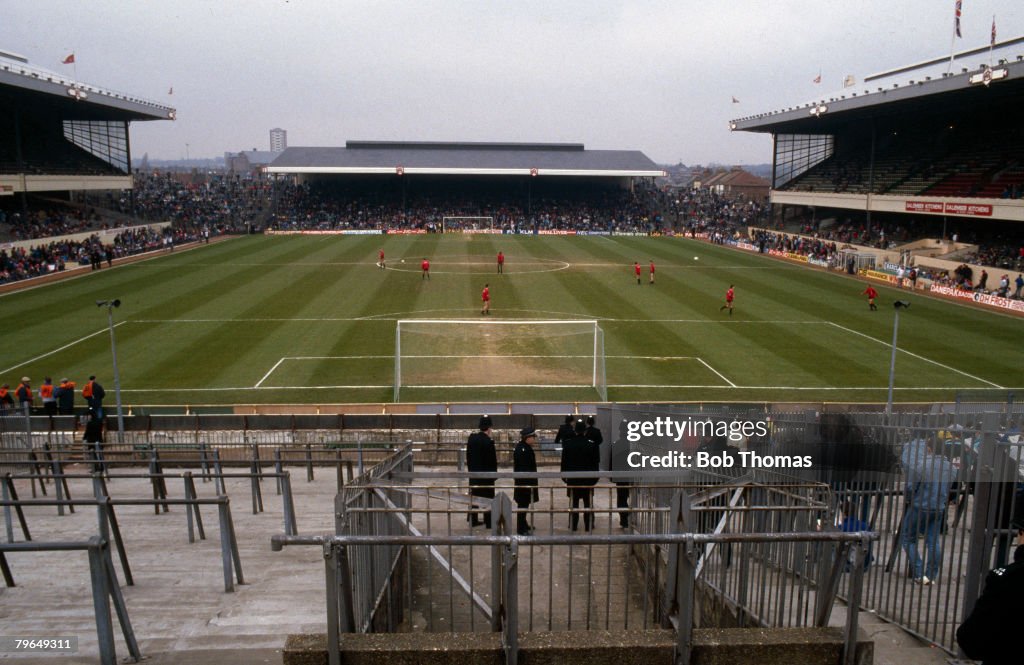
[(636, 271), (871, 294), (501, 263), (729, 295), (485, 296), (425, 266), (651, 269), (380, 259)]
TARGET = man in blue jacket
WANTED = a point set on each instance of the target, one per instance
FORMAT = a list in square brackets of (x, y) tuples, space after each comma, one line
[(929, 477)]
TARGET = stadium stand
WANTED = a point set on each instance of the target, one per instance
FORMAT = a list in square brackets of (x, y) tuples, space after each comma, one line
[(350, 206), (927, 151)]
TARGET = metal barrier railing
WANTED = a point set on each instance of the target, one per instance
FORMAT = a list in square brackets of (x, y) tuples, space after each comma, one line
[(980, 522), (434, 508), (857, 455), (105, 590), (160, 500), (985, 509), (230, 559), (680, 583)]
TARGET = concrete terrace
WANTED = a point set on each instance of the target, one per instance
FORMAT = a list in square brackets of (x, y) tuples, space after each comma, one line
[(180, 612)]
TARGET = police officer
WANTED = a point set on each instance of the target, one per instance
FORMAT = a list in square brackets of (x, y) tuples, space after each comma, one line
[(481, 456), (579, 454), (526, 492), (565, 430), (991, 633), (619, 457), (593, 433)]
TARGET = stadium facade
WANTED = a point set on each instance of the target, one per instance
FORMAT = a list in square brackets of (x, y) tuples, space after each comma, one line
[(942, 138), (524, 160), (60, 134)]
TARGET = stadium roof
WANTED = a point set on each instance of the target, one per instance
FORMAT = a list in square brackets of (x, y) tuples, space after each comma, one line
[(542, 159), (74, 98), (960, 81)]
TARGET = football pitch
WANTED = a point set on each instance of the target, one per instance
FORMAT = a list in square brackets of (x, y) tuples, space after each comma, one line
[(311, 319)]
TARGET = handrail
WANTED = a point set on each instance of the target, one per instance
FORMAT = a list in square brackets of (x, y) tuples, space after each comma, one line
[(505, 550)]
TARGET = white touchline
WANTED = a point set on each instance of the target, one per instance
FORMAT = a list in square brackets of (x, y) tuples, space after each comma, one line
[(610, 385), (720, 375), (68, 345), (909, 353)]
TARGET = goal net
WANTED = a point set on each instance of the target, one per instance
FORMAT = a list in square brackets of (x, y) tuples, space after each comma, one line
[(456, 224), (445, 354)]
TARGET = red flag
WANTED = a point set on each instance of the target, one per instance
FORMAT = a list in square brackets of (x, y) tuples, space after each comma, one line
[(993, 42), (817, 79), (70, 60), (956, 22)]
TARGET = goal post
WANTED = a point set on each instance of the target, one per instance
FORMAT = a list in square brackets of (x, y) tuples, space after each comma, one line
[(465, 353), (456, 224)]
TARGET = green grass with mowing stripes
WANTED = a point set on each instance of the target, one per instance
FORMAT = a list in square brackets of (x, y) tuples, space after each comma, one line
[(312, 320)]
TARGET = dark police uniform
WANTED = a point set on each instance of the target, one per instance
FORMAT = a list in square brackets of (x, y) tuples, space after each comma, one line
[(579, 454), (619, 462), (524, 459), (481, 456), (565, 430)]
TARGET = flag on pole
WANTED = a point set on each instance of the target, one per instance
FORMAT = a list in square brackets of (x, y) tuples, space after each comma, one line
[(817, 79), (170, 91), (735, 101), (69, 60), (993, 41), (849, 81), (956, 21)]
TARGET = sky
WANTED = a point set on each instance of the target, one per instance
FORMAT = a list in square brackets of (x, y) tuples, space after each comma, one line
[(657, 76)]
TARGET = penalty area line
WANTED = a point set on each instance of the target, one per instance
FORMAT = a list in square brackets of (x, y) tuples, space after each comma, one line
[(258, 383), (720, 375), (58, 350)]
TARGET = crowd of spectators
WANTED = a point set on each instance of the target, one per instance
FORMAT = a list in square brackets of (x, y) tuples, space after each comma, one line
[(818, 248), (47, 223), (1007, 255), (219, 201), (711, 211), (304, 207), (879, 234), (196, 211), (20, 263)]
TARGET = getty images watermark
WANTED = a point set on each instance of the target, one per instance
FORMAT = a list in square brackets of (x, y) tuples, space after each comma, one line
[(666, 428)]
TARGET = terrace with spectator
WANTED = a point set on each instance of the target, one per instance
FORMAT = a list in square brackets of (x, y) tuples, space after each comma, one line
[(302, 207)]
